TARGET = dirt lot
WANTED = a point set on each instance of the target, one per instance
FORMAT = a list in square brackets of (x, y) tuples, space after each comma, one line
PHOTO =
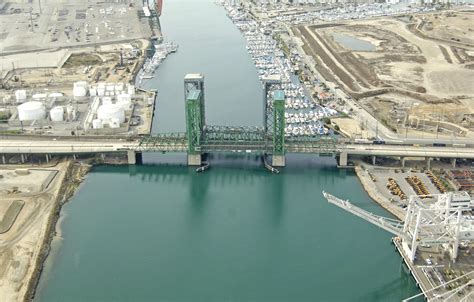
[(419, 66), (99, 64), (30, 196)]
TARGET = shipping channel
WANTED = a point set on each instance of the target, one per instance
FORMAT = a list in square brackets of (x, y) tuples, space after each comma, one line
[(162, 232)]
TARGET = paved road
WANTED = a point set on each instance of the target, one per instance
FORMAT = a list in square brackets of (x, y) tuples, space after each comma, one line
[(110, 146)]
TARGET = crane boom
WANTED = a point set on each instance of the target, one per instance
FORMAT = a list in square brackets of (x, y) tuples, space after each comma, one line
[(390, 225)]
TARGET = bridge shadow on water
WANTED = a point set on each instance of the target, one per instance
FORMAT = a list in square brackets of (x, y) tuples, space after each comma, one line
[(235, 170)]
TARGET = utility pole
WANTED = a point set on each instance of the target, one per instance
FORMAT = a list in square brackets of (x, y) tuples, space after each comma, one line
[(31, 20), (377, 130)]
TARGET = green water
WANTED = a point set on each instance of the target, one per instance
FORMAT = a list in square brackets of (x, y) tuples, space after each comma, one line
[(353, 43), (161, 232)]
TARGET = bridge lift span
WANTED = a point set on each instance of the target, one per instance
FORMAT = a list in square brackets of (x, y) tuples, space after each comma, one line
[(203, 138)]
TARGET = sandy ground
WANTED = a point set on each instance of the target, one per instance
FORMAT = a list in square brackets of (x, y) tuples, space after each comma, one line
[(21, 245), (351, 128), (419, 62)]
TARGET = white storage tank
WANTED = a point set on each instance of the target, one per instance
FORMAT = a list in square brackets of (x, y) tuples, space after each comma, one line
[(97, 124), (124, 100), (20, 96), (110, 111), (55, 95), (119, 87), (79, 92), (57, 114), (39, 96), (93, 91), (30, 111), (80, 89), (114, 123)]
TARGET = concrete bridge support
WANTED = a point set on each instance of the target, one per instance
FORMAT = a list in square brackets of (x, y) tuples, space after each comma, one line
[(428, 163), (453, 163), (22, 157), (374, 160), (343, 157), (47, 158), (403, 160), (194, 160), (278, 160), (131, 157), (4, 160)]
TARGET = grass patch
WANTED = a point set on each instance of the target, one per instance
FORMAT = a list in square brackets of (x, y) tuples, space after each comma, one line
[(82, 59)]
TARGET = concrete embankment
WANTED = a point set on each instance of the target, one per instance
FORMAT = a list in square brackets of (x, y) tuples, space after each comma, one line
[(371, 190)]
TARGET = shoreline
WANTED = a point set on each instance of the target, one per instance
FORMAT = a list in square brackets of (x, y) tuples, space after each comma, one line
[(72, 178), (368, 187)]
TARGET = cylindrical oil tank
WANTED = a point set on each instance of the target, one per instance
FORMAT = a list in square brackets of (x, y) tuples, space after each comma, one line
[(57, 114), (20, 96), (79, 92), (110, 111), (30, 111)]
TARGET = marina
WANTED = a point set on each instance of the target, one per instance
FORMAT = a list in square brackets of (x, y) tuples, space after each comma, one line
[(161, 51), (304, 114)]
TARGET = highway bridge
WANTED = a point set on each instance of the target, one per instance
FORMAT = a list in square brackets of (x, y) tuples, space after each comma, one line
[(178, 143), (201, 138)]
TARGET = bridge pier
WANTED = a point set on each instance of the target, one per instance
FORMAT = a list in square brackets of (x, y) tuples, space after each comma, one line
[(343, 158), (428, 163), (374, 160), (403, 160), (278, 160), (453, 163), (4, 161), (131, 157), (194, 160), (47, 158), (74, 156), (22, 157)]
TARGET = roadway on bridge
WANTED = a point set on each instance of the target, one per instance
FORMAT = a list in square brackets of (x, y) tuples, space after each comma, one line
[(110, 146)]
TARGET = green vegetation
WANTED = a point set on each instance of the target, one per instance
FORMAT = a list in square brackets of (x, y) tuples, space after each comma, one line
[(10, 132), (82, 59), (4, 116)]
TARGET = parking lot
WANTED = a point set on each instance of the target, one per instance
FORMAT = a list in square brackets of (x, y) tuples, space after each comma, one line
[(50, 24)]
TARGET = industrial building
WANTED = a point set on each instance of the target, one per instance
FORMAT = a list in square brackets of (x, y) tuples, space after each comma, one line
[(102, 108), (443, 229)]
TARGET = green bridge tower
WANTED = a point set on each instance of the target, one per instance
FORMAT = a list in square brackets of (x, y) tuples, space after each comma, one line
[(195, 116), (278, 154), (274, 119)]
